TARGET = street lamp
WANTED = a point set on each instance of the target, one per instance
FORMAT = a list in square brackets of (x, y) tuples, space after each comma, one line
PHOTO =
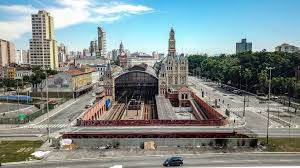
[(269, 95)]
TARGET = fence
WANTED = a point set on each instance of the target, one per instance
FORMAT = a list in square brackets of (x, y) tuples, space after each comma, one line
[(29, 117), (211, 122)]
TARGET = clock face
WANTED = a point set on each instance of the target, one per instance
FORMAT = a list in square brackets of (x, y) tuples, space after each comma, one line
[(172, 45)]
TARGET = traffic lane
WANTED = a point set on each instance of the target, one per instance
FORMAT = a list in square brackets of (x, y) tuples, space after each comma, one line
[(229, 98), (203, 160), (261, 132), (71, 112), (253, 120)]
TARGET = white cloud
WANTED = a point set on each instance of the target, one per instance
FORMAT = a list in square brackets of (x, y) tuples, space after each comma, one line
[(122, 8), (14, 29), (17, 9), (65, 13)]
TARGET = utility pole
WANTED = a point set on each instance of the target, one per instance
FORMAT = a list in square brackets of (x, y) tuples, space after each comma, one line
[(269, 95), (244, 108), (47, 104), (18, 102)]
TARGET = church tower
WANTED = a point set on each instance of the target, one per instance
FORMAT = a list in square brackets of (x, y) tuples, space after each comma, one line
[(172, 43)]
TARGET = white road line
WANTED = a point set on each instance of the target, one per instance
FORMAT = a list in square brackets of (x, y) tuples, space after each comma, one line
[(218, 161), (285, 160)]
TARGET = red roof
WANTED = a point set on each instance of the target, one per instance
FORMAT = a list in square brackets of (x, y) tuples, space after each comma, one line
[(74, 72), (184, 89)]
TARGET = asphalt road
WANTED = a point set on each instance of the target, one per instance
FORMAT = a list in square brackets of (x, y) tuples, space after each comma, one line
[(262, 132), (256, 112), (205, 160), (58, 121)]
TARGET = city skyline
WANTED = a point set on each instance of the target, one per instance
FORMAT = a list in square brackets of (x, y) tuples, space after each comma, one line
[(209, 32)]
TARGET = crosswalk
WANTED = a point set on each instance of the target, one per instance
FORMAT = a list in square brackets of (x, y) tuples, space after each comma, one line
[(46, 126)]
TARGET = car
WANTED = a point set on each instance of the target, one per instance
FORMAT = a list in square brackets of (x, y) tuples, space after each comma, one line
[(173, 161), (87, 106)]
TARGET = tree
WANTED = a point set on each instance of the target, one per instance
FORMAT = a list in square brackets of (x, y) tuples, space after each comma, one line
[(247, 74)]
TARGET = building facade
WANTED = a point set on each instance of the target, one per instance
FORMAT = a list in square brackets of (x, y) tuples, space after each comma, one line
[(101, 43), (243, 46), (63, 53), (287, 48), (22, 57), (122, 56), (7, 54), (43, 47), (93, 47), (173, 73), (16, 71)]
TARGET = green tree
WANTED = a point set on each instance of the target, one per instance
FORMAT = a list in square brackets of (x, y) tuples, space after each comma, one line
[(247, 74)]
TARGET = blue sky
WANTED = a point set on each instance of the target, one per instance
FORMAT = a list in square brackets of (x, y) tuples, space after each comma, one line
[(203, 26)]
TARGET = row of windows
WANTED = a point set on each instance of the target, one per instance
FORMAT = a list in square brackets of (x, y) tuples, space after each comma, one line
[(176, 68), (39, 63), (181, 62)]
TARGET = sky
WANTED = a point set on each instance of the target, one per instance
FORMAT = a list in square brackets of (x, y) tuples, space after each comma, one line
[(201, 26)]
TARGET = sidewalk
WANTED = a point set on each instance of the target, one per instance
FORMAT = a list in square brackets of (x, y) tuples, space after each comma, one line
[(53, 112), (42, 117)]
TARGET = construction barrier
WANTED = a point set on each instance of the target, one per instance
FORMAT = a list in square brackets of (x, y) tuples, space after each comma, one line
[(210, 122), (72, 135)]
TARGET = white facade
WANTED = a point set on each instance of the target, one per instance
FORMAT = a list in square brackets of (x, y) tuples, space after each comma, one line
[(20, 73), (287, 48), (138, 60)]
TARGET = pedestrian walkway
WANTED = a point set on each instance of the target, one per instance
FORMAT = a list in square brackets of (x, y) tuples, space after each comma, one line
[(46, 126)]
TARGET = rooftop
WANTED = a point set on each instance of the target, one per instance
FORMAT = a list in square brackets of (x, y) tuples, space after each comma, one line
[(75, 72)]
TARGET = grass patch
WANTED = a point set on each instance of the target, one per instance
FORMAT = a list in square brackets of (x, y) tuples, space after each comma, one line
[(15, 151), (281, 144)]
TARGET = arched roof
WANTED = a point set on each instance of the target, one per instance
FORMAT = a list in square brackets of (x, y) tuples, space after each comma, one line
[(138, 68)]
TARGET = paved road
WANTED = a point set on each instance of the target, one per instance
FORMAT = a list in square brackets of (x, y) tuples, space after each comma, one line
[(58, 121), (205, 160), (261, 132), (256, 112)]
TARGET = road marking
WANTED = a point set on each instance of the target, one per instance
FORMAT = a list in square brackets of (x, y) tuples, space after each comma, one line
[(285, 160), (218, 161), (252, 160)]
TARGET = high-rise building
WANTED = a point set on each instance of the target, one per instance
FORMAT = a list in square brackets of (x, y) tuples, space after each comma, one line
[(101, 43), (287, 48), (22, 57), (93, 46), (243, 46), (7, 54), (43, 47), (114, 54), (63, 53)]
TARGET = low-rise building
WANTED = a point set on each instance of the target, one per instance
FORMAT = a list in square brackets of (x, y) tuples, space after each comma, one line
[(142, 60), (16, 71), (9, 72), (287, 48), (70, 83), (23, 71)]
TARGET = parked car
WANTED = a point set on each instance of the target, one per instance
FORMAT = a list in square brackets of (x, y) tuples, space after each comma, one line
[(173, 161)]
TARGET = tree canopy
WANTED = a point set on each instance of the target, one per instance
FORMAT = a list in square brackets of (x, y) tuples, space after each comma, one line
[(248, 70)]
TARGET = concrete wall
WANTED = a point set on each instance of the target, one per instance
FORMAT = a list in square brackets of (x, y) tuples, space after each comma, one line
[(162, 142)]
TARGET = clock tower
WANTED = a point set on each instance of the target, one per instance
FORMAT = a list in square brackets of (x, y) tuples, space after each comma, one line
[(172, 47)]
